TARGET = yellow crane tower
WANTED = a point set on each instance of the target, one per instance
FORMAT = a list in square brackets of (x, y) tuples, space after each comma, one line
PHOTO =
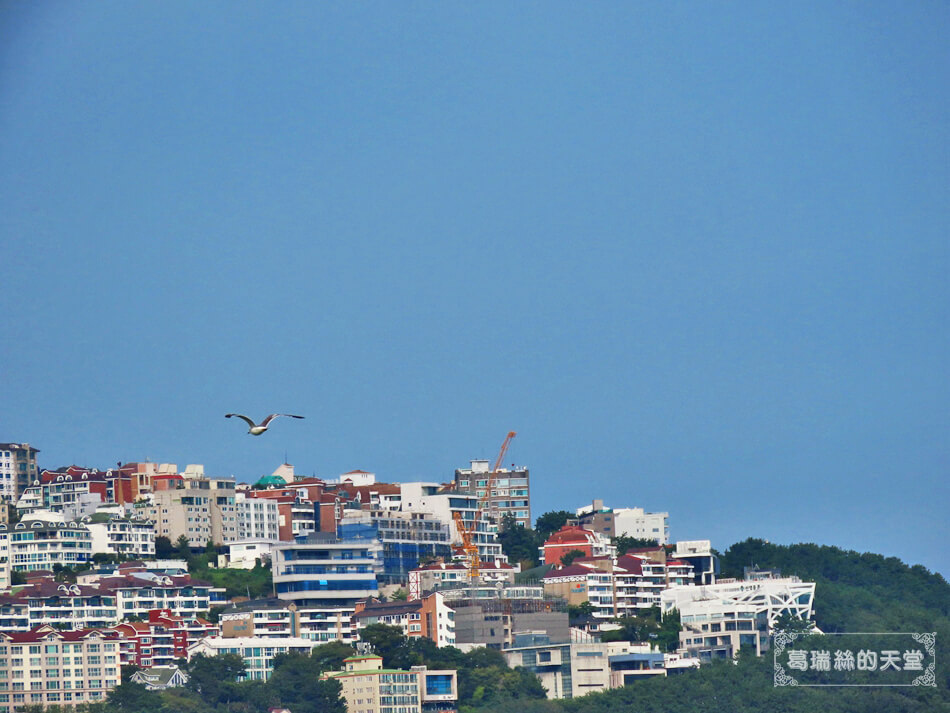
[(465, 534)]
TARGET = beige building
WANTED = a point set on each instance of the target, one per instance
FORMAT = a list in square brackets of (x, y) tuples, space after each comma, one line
[(46, 667), (200, 508), (369, 688)]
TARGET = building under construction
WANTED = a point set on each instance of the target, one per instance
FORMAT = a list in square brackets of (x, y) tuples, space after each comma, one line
[(490, 616)]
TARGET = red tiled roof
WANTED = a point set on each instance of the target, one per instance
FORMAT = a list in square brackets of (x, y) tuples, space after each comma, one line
[(633, 565), (572, 570), (570, 534)]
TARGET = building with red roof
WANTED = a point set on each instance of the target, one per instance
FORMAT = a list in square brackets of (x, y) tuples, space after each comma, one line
[(161, 639), (79, 666), (574, 537)]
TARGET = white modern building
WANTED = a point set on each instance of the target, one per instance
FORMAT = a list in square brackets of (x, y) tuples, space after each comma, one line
[(720, 618), (425, 497), (117, 535), (257, 518), (631, 522), (258, 652), (323, 571)]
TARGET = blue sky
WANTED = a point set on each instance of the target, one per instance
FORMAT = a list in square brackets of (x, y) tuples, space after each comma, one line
[(696, 256)]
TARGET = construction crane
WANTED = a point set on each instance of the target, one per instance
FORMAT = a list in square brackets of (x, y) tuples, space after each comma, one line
[(465, 534), (486, 499), (468, 546)]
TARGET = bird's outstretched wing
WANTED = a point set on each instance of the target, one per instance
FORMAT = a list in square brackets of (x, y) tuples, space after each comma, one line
[(270, 418), (250, 423)]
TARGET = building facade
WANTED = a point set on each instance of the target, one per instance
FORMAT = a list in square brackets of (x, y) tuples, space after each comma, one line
[(18, 469), (258, 652), (428, 617), (510, 493), (46, 667), (369, 688), (32, 545)]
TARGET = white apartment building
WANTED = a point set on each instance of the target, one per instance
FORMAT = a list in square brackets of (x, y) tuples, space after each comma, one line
[(425, 497), (620, 587), (632, 522), (117, 535), (258, 652), (258, 518), (203, 510), (368, 688), (32, 545)]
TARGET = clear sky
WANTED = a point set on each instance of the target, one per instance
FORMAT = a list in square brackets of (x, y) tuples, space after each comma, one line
[(696, 255)]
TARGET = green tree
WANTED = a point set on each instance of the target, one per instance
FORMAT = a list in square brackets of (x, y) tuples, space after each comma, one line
[(624, 543), (182, 548), (569, 557), (400, 595), (551, 522), (329, 656), (133, 698), (390, 643), (518, 542), (296, 684), (214, 676), (580, 611), (164, 548), (792, 624)]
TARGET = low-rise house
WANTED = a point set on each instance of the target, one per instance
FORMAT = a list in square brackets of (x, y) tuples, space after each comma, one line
[(572, 538), (158, 678)]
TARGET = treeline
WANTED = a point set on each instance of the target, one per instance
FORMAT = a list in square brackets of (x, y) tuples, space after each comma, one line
[(485, 682)]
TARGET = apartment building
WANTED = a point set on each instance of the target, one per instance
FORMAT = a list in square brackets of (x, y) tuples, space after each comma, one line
[(258, 652), (570, 669), (104, 603), (427, 617), (202, 509), (510, 493), (405, 538), (369, 688), (161, 639), (632, 522), (296, 514), (32, 545), (436, 576), (258, 518), (490, 615), (615, 587), (18, 469), (422, 497), (127, 537), (46, 667)]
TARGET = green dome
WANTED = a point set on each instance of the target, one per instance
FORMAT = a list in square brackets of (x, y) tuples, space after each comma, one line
[(268, 480)]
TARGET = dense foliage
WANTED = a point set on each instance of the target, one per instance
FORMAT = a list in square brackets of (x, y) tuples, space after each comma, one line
[(484, 679)]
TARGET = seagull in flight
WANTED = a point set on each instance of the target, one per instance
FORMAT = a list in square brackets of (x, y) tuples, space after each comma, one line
[(257, 429)]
